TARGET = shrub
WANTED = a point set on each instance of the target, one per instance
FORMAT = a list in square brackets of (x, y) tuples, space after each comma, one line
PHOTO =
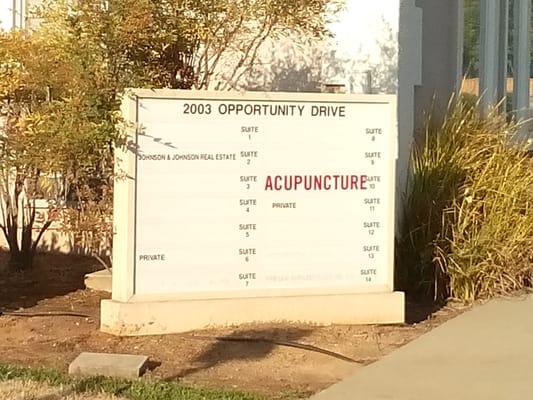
[(468, 216)]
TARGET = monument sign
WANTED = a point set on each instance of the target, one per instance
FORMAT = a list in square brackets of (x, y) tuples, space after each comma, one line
[(250, 203)]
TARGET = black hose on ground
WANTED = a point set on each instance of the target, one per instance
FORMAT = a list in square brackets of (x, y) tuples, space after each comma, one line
[(243, 339), (44, 314)]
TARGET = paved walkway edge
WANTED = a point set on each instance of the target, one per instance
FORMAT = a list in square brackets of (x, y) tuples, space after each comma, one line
[(485, 354)]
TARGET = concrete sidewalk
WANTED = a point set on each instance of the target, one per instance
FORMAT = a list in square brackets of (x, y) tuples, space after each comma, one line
[(484, 354)]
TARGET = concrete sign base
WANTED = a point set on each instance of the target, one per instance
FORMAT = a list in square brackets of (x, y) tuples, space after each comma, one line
[(142, 316)]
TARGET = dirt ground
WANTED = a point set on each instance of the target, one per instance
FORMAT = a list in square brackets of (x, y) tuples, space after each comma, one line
[(56, 284)]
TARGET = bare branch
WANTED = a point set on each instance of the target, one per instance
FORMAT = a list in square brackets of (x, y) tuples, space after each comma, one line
[(253, 47), (104, 264), (43, 229)]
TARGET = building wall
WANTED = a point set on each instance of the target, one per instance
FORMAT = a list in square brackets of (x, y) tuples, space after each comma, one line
[(17, 13), (409, 76), (442, 41), (430, 67), (6, 15), (12, 14)]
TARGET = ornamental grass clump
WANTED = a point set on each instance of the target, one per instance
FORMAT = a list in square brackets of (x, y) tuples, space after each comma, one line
[(468, 217)]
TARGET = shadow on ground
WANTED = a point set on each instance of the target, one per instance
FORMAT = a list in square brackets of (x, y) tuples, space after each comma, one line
[(241, 345), (419, 312), (56, 274), (53, 275)]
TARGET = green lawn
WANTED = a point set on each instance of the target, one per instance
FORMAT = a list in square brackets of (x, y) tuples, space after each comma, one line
[(133, 390)]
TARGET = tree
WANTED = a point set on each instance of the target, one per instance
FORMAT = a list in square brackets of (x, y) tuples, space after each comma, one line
[(230, 34), (178, 43), (34, 147), (60, 90)]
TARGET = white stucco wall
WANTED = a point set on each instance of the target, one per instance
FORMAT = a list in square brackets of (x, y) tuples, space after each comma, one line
[(12, 11), (6, 15), (17, 12)]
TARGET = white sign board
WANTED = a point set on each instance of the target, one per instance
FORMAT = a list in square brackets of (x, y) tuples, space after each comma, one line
[(247, 193)]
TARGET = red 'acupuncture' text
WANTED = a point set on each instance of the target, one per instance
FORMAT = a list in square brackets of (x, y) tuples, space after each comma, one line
[(316, 182)]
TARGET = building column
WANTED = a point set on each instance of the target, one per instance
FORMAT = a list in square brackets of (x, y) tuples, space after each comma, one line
[(521, 58), (460, 40), (493, 53), (14, 14)]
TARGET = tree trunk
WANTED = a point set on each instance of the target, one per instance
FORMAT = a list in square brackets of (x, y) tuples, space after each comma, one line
[(21, 257), (21, 260)]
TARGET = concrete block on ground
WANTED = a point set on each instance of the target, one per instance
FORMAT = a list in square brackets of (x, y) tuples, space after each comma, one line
[(125, 366), (101, 281)]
